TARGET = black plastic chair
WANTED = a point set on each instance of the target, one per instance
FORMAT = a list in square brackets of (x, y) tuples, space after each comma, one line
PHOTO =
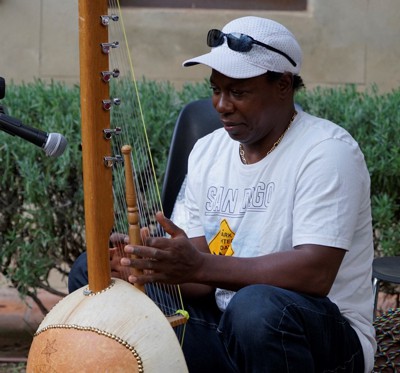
[(385, 269), (196, 119)]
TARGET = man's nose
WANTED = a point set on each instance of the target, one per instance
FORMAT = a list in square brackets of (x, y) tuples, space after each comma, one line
[(223, 103)]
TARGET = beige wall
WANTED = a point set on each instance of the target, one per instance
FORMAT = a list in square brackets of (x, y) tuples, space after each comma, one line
[(343, 41)]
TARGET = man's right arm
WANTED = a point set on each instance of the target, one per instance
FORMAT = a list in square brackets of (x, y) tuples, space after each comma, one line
[(191, 290)]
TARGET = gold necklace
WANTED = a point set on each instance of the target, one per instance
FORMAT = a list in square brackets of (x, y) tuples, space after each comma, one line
[(241, 150)]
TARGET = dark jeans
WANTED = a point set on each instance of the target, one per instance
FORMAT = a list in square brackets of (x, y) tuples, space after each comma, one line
[(264, 329)]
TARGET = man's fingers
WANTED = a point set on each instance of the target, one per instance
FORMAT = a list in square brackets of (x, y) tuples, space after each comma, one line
[(169, 227), (144, 234), (146, 252), (118, 239), (147, 277)]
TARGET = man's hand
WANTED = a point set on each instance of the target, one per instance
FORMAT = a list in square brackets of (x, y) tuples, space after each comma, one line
[(167, 260), (118, 241)]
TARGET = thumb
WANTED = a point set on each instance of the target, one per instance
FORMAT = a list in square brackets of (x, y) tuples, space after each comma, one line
[(112, 251), (144, 233), (169, 227)]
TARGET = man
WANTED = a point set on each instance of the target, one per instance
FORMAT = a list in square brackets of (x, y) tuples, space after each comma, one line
[(275, 261)]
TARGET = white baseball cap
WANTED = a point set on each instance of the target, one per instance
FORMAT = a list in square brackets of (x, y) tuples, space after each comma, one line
[(285, 56)]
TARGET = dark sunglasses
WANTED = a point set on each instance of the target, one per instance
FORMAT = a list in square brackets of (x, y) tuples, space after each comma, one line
[(239, 42)]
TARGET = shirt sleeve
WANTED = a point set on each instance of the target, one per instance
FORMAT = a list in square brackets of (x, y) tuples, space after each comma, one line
[(332, 185)]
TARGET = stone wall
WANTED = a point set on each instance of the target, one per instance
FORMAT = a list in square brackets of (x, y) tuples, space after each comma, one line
[(343, 41)]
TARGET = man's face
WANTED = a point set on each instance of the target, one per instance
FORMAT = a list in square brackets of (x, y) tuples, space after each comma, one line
[(248, 107)]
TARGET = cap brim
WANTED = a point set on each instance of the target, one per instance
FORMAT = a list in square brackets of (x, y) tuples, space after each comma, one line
[(228, 63)]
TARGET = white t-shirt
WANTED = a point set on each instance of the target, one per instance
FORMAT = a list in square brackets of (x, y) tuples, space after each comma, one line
[(314, 188)]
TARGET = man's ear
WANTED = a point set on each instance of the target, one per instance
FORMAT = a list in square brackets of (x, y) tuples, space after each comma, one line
[(285, 84)]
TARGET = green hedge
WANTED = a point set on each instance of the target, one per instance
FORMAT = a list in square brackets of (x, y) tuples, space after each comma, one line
[(41, 199), (374, 121)]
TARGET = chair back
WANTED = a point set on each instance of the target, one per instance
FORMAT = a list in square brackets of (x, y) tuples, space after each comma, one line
[(197, 119)]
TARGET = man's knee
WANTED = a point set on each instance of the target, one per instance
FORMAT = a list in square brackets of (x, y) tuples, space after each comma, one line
[(78, 276), (248, 307), (261, 298), (257, 305)]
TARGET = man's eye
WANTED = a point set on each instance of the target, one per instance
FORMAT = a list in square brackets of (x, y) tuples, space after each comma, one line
[(237, 93), (214, 89)]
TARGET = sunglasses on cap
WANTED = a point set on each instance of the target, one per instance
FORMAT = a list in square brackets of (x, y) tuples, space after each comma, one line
[(240, 42)]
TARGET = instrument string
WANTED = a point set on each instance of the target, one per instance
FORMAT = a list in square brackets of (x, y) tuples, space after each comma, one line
[(127, 114)]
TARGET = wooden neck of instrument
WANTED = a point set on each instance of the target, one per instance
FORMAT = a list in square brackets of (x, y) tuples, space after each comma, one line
[(97, 177)]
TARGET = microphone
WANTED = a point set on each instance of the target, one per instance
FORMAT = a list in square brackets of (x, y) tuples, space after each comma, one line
[(53, 144)]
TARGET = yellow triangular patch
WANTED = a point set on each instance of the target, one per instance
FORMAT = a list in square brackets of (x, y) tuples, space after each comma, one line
[(221, 244)]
